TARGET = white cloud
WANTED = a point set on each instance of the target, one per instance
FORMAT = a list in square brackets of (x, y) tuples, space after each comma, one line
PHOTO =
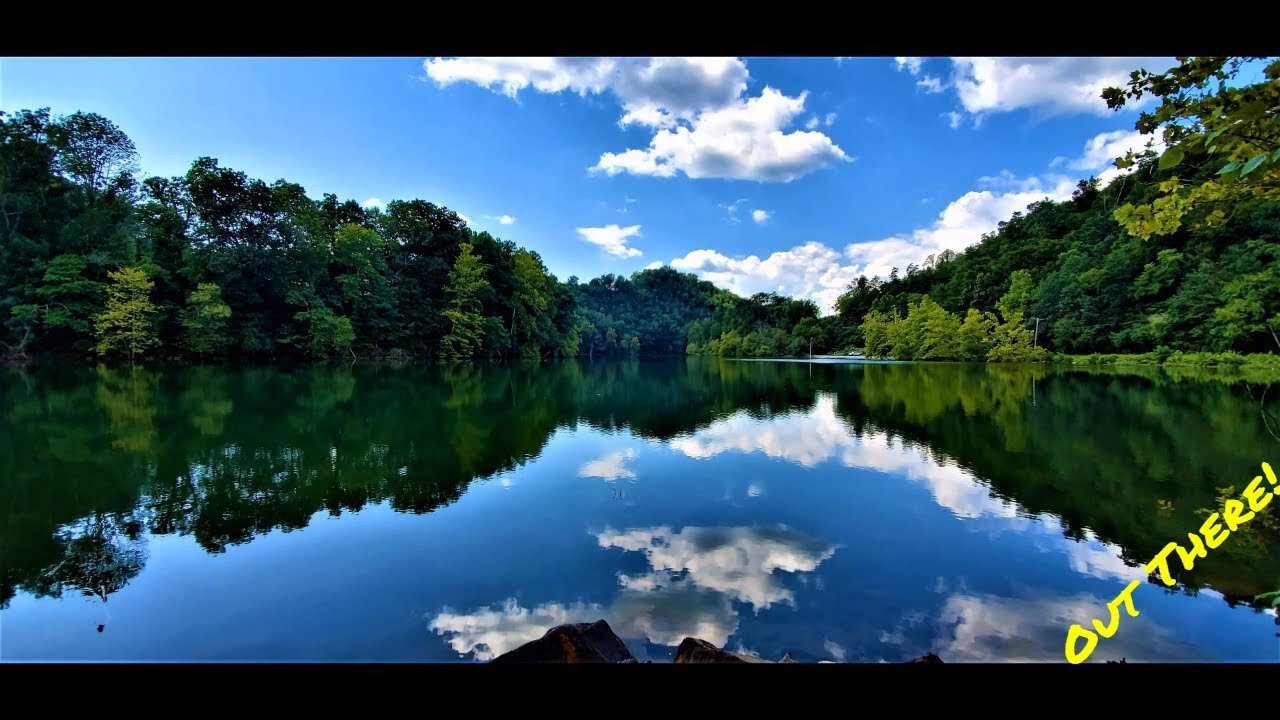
[(373, 202), (732, 210), (653, 91), (743, 141), (990, 628), (737, 561), (506, 220), (812, 271), (953, 119), (910, 64), (611, 466), (818, 435), (704, 126), (961, 224), (490, 632), (834, 650), (829, 119), (760, 216), (915, 66), (653, 265), (464, 218), (1101, 151), (930, 84), (1050, 84), (666, 611), (612, 239), (811, 123)]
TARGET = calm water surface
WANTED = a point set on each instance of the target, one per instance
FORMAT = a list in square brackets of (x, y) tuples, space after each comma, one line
[(855, 512)]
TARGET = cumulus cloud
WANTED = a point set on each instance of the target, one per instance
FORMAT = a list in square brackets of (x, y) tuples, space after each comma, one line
[(1101, 151), (812, 271), (912, 65), (760, 216), (818, 435), (491, 631), (373, 202), (739, 562), (506, 220), (653, 265), (611, 466), (612, 239), (464, 218), (989, 628), (744, 141), (704, 126), (1050, 84), (666, 611), (930, 84), (961, 224), (653, 91)]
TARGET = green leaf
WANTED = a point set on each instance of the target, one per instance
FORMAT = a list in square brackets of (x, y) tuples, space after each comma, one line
[(1229, 167), (1213, 135), (1171, 158), (1253, 164)]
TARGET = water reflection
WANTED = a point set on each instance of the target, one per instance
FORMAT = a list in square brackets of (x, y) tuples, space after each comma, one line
[(490, 632), (1092, 472), (988, 628), (737, 561)]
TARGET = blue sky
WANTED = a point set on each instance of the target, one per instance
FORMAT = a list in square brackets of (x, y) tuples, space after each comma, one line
[(785, 174)]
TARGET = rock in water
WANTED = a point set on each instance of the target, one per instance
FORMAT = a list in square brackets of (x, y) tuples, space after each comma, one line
[(575, 643), (926, 658), (693, 650)]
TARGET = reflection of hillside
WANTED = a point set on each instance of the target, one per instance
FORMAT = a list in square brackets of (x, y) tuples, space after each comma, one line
[(226, 455), (1097, 450), (695, 576)]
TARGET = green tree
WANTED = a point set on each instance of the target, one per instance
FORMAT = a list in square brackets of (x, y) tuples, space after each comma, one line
[(466, 282), (1018, 297), (205, 320), (1012, 341), (1205, 116), (360, 273), (127, 325), (530, 300), (974, 336), (327, 333), (940, 331)]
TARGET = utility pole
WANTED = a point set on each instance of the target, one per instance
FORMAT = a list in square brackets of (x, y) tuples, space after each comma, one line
[(1036, 341), (810, 348)]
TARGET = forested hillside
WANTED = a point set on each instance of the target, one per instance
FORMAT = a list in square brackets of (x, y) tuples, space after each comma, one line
[(97, 262), (1183, 254)]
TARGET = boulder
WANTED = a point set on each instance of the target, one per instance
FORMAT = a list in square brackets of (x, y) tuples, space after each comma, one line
[(693, 650), (574, 643), (926, 658)]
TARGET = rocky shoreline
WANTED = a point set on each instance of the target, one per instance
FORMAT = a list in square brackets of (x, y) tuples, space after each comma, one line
[(595, 642)]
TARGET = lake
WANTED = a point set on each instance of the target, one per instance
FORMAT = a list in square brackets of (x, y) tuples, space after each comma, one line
[(839, 511)]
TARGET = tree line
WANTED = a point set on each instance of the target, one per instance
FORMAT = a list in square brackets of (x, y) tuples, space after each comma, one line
[(96, 262), (1181, 255)]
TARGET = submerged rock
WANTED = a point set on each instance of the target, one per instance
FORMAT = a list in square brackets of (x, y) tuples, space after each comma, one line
[(596, 642), (575, 643)]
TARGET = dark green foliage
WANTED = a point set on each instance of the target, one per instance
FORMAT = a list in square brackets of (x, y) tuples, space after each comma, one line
[(1096, 288), (254, 269)]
